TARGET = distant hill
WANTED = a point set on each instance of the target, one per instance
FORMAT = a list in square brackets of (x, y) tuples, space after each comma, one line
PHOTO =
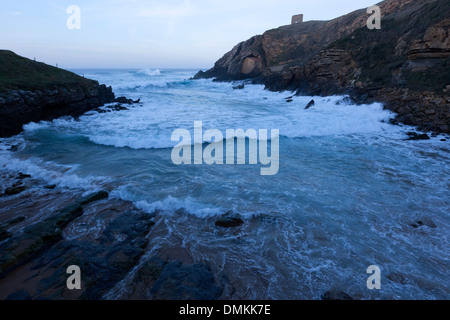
[(406, 64), (34, 91)]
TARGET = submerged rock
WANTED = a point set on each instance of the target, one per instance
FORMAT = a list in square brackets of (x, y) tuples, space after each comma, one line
[(229, 222), (23, 176), (125, 100), (416, 136), (397, 278), (336, 295), (14, 190), (310, 104), (14, 148), (423, 222)]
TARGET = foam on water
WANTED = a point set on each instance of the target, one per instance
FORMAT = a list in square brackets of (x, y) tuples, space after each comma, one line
[(52, 173), (149, 72), (151, 125)]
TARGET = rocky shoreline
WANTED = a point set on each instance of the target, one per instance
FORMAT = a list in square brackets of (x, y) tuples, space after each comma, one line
[(405, 65), (44, 229), (31, 91)]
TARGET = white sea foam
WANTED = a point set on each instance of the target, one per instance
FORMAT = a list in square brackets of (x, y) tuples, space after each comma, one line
[(169, 205), (51, 173), (150, 72)]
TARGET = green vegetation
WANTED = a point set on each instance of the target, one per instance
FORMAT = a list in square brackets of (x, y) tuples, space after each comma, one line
[(21, 73)]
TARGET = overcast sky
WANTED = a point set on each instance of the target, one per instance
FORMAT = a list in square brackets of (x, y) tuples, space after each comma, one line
[(148, 33)]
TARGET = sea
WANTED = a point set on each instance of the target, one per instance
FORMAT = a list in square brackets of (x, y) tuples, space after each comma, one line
[(351, 190)]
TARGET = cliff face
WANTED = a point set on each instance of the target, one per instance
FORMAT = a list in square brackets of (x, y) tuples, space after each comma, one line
[(407, 60), (33, 91)]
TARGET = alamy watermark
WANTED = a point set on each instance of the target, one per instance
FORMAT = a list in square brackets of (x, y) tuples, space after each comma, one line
[(74, 20), (74, 280), (214, 152), (374, 281), (374, 21)]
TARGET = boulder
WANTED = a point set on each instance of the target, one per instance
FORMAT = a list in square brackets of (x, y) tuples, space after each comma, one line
[(229, 222), (310, 104)]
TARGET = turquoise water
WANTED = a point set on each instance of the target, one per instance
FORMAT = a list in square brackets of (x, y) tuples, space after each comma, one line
[(348, 188)]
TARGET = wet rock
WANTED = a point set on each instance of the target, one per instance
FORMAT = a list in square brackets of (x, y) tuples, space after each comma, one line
[(40, 236), (19, 295), (397, 278), (394, 122), (310, 104), (14, 190), (150, 271), (416, 136), (118, 107), (336, 295), (239, 87), (15, 221), (407, 119), (23, 176), (289, 100), (423, 222), (4, 234), (94, 197), (229, 222), (124, 100), (103, 263), (186, 282), (346, 101), (50, 186), (14, 148)]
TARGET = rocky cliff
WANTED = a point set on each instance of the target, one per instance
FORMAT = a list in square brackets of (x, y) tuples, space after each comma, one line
[(405, 65), (34, 91)]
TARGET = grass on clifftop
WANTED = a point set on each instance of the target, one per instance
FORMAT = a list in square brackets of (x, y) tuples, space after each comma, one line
[(17, 72)]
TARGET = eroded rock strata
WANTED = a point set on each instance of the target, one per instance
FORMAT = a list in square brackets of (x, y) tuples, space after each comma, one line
[(405, 65)]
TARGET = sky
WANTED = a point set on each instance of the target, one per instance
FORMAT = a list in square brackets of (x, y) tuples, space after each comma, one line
[(148, 33)]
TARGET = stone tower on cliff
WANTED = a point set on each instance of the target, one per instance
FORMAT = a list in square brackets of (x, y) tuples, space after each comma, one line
[(297, 19)]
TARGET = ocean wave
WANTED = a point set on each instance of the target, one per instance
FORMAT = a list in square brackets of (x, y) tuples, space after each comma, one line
[(51, 173), (149, 72), (169, 205)]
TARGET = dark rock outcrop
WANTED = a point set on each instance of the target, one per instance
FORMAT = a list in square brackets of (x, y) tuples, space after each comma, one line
[(405, 65), (37, 237), (416, 136), (177, 281), (336, 296), (229, 222), (33, 91), (310, 104)]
